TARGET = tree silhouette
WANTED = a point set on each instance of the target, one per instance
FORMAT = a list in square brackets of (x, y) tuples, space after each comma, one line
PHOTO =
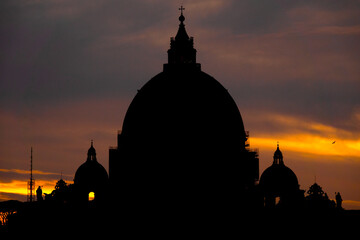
[(61, 193), (60, 185)]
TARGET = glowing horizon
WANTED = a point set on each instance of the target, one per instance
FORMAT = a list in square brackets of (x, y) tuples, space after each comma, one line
[(20, 187)]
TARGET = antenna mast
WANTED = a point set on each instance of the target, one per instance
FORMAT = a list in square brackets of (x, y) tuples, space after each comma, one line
[(31, 182)]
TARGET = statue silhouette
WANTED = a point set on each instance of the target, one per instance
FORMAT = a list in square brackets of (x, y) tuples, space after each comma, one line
[(338, 200), (39, 196)]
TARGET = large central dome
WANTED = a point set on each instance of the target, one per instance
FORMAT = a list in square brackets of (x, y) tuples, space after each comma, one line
[(183, 136), (183, 112)]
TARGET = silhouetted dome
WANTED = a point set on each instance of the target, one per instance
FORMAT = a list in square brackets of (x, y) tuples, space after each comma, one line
[(278, 179), (186, 110), (183, 137), (183, 112), (91, 174)]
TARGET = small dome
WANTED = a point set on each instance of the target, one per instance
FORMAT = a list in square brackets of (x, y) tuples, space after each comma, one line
[(91, 174), (278, 179)]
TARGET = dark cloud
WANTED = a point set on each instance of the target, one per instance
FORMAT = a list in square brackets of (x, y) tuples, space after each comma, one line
[(261, 16), (251, 16), (58, 51), (292, 57), (332, 103), (52, 51), (7, 177)]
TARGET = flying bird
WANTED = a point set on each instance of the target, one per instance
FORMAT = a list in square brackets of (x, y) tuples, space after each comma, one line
[(333, 142)]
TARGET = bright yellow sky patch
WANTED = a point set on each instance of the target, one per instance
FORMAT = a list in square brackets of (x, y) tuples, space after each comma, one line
[(20, 187), (305, 136), (307, 143)]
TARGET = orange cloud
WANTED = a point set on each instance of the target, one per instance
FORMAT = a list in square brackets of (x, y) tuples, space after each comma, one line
[(37, 172), (306, 136), (307, 143), (15, 186)]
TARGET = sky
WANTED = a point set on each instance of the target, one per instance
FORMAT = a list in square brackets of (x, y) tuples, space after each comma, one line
[(69, 70)]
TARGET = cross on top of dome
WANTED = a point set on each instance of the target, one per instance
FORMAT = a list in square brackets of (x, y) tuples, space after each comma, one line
[(181, 9), (181, 18)]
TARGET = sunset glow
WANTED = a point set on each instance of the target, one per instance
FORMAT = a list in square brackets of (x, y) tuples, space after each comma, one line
[(20, 187), (301, 135)]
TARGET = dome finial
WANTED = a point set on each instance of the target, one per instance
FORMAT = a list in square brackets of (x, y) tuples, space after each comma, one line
[(181, 18), (182, 49), (91, 152)]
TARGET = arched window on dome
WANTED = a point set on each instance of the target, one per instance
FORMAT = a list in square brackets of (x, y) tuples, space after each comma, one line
[(277, 200), (91, 196)]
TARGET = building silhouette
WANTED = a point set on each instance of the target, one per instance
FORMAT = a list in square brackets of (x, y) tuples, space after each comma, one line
[(183, 141)]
